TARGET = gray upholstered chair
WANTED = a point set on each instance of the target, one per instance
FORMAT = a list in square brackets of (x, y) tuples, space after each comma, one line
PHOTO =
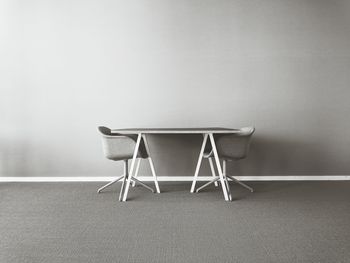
[(230, 147), (118, 147)]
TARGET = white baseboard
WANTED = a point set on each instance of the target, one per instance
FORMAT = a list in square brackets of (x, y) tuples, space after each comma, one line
[(178, 178)]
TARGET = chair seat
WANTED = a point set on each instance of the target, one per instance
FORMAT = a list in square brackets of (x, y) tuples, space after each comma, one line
[(210, 154), (142, 149), (129, 157)]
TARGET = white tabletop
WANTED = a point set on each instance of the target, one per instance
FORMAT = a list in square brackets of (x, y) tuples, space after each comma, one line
[(214, 130)]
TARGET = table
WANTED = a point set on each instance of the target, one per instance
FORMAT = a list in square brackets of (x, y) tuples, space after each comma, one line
[(207, 132)]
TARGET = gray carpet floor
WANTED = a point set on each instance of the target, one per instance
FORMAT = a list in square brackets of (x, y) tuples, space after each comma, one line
[(70, 222)]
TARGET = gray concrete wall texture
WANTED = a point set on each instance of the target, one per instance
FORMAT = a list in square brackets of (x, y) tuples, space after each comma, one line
[(69, 66)]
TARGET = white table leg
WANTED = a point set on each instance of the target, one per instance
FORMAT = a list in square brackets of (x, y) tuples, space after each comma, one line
[(218, 165), (212, 169), (137, 146), (136, 171), (151, 163), (224, 169), (126, 174), (205, 138)]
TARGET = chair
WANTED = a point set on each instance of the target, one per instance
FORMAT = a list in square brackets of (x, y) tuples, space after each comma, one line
[(118, 147), (230, 147)]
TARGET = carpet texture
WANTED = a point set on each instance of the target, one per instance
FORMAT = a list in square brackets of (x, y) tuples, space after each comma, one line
[(70, 222)]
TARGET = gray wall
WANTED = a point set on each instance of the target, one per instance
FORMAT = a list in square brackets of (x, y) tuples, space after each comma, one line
[(68, 66)]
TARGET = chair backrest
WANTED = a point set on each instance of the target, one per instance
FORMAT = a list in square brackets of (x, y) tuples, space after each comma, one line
[(235, 146), (105, 130), (116, 146)]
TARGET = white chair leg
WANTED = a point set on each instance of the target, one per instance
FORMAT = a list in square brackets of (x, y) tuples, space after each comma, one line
[(210, 159), (242, 184), (110, 183), (136, 172), (217, 178), (209, 183), (141, 183)]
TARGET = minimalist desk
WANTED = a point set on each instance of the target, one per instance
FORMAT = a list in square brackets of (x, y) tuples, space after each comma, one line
[(206, 132)]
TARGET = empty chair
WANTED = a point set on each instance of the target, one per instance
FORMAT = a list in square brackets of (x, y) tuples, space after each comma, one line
[(118, 147), (230, 147)]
